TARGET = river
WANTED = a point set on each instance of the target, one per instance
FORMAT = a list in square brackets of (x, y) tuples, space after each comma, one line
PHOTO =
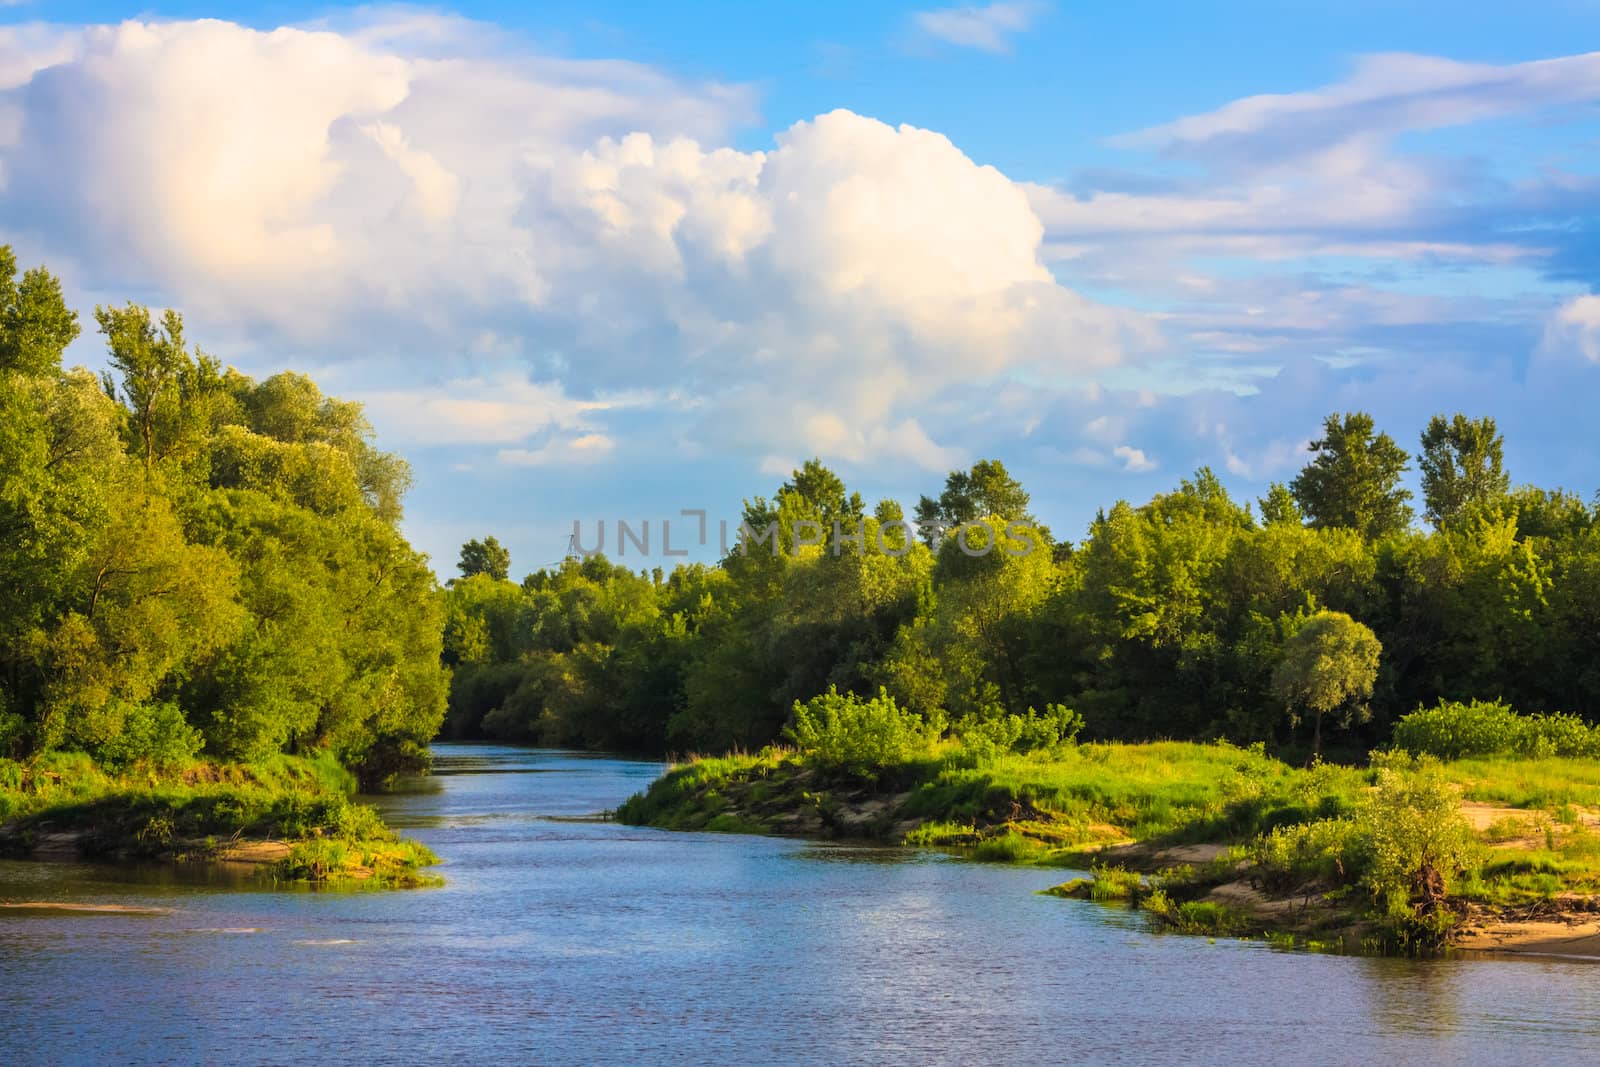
[(562, 938)]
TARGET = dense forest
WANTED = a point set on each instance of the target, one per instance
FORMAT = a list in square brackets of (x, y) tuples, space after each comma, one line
[(196, 563), (1329, 608)]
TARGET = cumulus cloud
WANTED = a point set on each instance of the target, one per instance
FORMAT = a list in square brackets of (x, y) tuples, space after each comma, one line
[(1575, 327), (988, 28), (1133, 459), (383, 185)]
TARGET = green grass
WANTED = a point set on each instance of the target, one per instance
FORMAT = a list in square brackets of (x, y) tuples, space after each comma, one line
[(1550, 783)]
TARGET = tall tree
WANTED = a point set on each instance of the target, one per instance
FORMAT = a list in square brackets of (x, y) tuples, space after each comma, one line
[(151, 362), (986, 491), (1462, 463), (485, 557), (1353, 480)]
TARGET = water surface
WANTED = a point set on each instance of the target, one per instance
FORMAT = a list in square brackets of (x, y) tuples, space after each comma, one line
[(562, 938)]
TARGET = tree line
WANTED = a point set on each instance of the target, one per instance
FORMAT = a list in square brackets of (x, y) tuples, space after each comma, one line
[(1190, 616), (195, 562)]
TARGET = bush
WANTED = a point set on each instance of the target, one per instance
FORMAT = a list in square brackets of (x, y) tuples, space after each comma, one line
[(152, 733), (1420, 842), (1327, 851), (844, 732), (1456, 730), (992, 735)]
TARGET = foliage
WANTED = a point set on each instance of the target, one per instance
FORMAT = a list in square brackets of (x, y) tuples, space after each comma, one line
[(1455, 730), (1181, 617), (992, 735), (153, 812), (1328, 666), (486, 557), (1420, 842), (1353, 480), (843, 732), (197, 563), (1329, 852), (1463, 466)]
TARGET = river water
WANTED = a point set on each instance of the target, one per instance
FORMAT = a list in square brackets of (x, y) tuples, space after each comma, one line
[(563, 938)]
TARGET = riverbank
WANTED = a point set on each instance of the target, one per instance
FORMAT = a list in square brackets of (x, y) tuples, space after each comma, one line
[(1402, 857), (289, 819)]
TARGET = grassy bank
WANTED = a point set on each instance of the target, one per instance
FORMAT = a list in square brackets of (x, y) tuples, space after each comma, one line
[(1405, 855), (291, 817)]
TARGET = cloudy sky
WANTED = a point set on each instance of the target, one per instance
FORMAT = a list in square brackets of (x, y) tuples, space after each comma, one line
[(602, 260)]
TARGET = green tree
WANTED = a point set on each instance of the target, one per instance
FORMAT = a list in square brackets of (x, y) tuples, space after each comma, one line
[(151, 362), (1462, 464), (36, 326), (987, 490), (1279, 507), (1329, 667), (1354, 479), (485, 557)]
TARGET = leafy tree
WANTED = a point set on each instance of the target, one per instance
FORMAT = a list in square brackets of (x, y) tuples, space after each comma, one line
[(485, 557), (151, 362), (36, 326), (185, 564), (986, 491), (1354, 479), (1328, 667), (1279, 507), (1462, 464)]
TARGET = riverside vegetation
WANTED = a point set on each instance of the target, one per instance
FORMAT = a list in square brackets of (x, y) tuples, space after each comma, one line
[(1275, 711), (1382, 858), (212, 629)]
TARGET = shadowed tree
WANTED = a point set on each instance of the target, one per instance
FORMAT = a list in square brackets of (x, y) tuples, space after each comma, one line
[(485, 557), (1354, 479), (987, 490)]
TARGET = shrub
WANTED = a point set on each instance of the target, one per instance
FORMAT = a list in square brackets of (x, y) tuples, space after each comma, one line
[(844, 732), (1115, 883), (992, 735), (152, 733), (1456, 730), (1420, 842), (1327, 851)]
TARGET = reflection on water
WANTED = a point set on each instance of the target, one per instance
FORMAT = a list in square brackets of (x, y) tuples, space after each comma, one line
[(562, 938)]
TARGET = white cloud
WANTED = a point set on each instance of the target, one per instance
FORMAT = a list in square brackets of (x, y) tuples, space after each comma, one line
[(585, 448), (1133, 459), (503, 409), (988, 28), (1575, 326), (409, 187), (1386, 94)]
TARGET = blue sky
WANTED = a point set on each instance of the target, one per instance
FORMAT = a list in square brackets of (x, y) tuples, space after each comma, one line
[(616, 260)]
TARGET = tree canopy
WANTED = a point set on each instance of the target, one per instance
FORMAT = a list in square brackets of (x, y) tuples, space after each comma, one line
[(1353, 480), (196, 561)]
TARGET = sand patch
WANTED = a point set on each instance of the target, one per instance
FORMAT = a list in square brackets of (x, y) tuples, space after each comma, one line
[(85, 909)]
